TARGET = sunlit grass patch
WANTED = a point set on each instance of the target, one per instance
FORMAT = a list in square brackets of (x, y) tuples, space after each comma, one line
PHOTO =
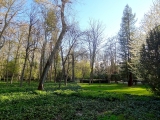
[(64, 92), (76, 101), (117, 88), (4, 97)]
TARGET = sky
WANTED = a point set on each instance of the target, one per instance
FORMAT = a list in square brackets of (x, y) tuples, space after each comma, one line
[(109, 12)]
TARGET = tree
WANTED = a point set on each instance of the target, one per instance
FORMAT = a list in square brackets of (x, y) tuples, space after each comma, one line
[(151, 18), (19, 37), (49, 21), (150, 60), (111, 53), (135, 58), (94, 37), (29, 40), (71, 41), (8, 10), (56, 47), (126, 37)]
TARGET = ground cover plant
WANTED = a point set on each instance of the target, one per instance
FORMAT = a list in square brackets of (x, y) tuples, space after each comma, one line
[(77, 102)]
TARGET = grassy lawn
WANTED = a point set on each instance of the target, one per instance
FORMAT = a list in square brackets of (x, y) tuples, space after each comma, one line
[(117, 88), (78, 102)]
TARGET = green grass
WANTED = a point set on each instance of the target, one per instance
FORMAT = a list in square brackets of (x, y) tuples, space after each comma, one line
[(77, 102), (117, 88)]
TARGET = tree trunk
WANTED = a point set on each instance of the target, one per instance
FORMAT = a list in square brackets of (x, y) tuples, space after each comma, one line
[(31, 67), (91, 76), (15, 63), (130, 81), (55, 69), (42, 56), (66, 76), (73, 75), (22, 74), (58, 43)]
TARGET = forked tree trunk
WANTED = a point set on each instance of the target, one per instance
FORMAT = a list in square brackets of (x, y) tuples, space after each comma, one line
[(58, 43)]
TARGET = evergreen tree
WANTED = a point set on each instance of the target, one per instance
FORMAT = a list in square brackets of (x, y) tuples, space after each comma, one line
[(126, 37), (150, 60)]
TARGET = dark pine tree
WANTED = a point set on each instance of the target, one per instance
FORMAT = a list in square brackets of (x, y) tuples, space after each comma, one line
[(150, 60)]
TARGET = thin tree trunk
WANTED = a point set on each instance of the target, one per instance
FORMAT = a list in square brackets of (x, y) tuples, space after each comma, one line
[(15, 63), (8, 61), (91, 76), (31, 67), (73, 75), (55, 70), (66, 76), (63, 68), (23, 69)]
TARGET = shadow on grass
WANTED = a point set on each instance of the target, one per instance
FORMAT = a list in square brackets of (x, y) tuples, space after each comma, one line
[(47, 105), (74, 102)]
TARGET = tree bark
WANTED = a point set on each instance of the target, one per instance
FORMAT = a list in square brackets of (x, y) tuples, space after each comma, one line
[(24, 66), (55, 67), (130, 81), (31, 67), (73, 75), (58, 43)]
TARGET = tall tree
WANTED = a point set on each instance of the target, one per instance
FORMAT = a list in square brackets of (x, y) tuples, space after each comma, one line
[(111, 53), (71, 40), (56, 47), (94, 37), (29, 43), (126, 37), (49, 26)]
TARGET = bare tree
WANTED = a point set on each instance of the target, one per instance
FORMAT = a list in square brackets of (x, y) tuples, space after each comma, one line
[(94, 37), (8, 10), (19, 37), (29, 43), (33, 48), (71, 39), (111, 53)]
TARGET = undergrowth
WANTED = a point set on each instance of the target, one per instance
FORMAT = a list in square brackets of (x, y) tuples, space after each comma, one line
[(74, 102)]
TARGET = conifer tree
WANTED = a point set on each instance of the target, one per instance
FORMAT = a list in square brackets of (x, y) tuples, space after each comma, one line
[(150, 60), (126, 37)]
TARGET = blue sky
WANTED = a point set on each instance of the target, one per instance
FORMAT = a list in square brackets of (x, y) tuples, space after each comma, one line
[(109, 12)]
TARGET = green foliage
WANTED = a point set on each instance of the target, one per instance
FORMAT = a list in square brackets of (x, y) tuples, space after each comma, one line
[(50, 20), (82, 70), (123, 70), (126, 40), (12, 68), (75, 102), (150, 60), (126, 33), (115, 77)]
